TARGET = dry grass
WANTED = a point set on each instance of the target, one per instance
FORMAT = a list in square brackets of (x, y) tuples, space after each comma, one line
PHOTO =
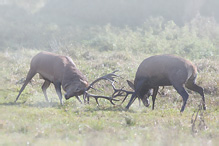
[(33, 121)]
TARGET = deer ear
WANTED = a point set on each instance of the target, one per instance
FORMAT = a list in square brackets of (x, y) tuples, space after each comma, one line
[(131, 84)]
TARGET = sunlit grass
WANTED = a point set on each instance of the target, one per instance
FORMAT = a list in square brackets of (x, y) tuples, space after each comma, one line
[(34, 121)]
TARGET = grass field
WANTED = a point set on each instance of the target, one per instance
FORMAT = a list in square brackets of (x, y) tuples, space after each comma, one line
[(32, 121)]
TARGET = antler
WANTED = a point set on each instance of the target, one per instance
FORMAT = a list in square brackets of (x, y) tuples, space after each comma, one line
[(121, 92), (109, 77), (87, 95)]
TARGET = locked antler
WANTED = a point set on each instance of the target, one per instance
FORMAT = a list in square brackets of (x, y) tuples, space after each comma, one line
[(87, 95), (121, 92), (109, 77)]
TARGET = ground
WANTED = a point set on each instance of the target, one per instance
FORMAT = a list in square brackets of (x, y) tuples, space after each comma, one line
[(33, 121)]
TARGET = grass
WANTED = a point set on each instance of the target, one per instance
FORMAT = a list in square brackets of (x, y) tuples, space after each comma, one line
[(32, 121)]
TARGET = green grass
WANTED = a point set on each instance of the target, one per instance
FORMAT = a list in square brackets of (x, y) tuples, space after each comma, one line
[(35, 122)]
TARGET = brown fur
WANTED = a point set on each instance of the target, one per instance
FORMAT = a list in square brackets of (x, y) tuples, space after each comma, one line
[(59, 70), (165, 70)]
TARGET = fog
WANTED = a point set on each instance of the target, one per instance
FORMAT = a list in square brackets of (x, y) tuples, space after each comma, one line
[(102, 36), (23, 23)]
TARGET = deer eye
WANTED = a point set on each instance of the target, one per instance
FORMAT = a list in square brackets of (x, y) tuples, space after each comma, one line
[(78, 89), (66, 87)]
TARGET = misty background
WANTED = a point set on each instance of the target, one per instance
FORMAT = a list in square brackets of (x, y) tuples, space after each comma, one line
[(51, 24)]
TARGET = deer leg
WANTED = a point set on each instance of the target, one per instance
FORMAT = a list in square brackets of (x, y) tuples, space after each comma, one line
[(139, 100), (78, 99), (134, 96), (30, 75), (58, 91), (192, 86), (181, 90), (84, 97), (44, 87), (154, 96)]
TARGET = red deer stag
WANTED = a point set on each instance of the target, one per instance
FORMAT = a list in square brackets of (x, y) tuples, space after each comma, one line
[(164, 70), (62, 71)]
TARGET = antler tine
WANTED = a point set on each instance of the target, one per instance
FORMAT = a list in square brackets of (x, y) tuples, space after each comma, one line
[(120, 92), (127, 94), (117, 92), (99, 96), (110, 77)]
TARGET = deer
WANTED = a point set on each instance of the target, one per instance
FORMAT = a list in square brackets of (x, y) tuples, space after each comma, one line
[(61, 71), (163, 70)]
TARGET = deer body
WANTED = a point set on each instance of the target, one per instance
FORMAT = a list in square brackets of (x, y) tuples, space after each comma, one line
[(165, 70), (59, 70)]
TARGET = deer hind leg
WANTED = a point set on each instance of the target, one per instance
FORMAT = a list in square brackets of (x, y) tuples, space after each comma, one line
[(181, 90), (58, 91), (44, 87), (192, 86), (30, 75)]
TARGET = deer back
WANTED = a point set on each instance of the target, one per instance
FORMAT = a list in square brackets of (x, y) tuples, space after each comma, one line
[(160, 69)]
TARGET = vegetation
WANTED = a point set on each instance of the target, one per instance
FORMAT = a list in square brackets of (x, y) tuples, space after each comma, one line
[(97, 48), (33, 121), (197, 39)]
